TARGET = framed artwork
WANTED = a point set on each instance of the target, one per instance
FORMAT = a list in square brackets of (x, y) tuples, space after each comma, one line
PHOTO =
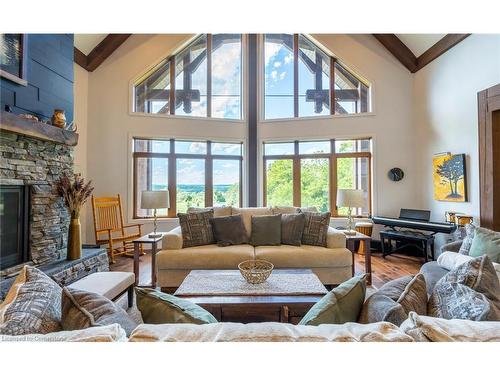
[(13, 57), (449, 177)]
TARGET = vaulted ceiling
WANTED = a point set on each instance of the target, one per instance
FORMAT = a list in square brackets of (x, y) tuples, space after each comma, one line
[(414, 51)]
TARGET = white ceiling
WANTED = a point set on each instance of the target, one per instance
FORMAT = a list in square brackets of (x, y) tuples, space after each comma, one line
[(87, 42), (419, 43)]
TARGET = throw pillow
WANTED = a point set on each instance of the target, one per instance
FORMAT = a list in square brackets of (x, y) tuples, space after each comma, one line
[(159, 308), (229, 230), (285, 210), (486, 242), (32, 305), (292, 228), (266, 230), (81, 309), (341, 305), (407, 294), (470, 229), (196, 228), (315, 228), (458, 294), (218, 211)]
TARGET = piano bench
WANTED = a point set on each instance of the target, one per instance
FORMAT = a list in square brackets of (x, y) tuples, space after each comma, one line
[(423, 241)]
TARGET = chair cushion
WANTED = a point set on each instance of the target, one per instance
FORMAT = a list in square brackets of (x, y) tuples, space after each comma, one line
[(160, 308), (266, 230), (81, 309), (196, 228), (305, 256), (204, 257), (292, 228), (247, 213), (341, 305), (315, 228), (32, 305), (107, 284), (229, 230)]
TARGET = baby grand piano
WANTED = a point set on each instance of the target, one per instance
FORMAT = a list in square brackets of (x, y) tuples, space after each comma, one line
[(417, 221)]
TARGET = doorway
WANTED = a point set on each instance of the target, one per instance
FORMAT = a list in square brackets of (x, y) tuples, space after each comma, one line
[(489, 157)]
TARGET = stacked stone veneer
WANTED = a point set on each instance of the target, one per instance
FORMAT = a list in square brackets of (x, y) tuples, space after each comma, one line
[(28, 161)]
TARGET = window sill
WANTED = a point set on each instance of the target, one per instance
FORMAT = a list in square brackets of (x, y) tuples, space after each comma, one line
[(191, 118), (309, 118)]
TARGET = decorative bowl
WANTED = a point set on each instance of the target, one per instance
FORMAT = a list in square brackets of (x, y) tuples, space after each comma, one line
[(255, 271)]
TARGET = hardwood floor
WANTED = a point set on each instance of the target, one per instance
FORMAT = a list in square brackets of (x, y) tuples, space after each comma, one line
[(384, 270)]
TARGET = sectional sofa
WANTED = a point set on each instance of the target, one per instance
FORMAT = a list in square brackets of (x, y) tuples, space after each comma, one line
[(332, 264)]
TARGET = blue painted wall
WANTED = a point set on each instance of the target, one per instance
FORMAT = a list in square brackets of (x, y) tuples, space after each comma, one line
[(49, 76)]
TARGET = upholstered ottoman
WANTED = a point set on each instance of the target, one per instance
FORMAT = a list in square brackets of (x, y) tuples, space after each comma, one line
[(111, 285)]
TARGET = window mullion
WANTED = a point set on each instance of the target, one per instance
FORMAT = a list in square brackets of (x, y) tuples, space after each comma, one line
[(332, 85), (172, 180), (296, 75), (209, 75), (172, 85), (333, 179), (296, 175), (209, 196)]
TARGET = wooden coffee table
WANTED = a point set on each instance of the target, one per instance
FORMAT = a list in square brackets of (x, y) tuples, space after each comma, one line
[(269, 304)]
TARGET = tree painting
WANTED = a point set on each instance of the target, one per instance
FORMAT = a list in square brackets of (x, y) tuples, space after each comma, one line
[(450, 178)]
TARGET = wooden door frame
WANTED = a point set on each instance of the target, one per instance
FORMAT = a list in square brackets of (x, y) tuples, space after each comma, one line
[(489, 157)]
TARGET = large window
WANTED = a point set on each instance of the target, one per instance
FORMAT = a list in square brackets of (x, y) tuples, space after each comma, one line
[(308, 173), (301, 80), (204, 80), (196, 173)]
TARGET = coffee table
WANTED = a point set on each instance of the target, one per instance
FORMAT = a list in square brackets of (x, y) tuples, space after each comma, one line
[(229, 298)]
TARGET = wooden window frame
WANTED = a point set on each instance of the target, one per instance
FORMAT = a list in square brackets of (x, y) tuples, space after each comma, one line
[(172, 157), (172, 93), (20, 79), (333, 157)]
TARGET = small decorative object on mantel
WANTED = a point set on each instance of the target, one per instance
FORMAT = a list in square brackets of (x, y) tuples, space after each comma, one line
[(255, 271), (75, 193), (59, 118), (28, 116), (396, 174)]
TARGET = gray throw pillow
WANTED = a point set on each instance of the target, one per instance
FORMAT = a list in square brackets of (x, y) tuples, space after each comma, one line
[(229, 230), (380, 308), (82, 309), (315, 228), (32, 305), (292, 228), (266, 230), (450, 300), (162, 308), (196, 228), (470, 229)]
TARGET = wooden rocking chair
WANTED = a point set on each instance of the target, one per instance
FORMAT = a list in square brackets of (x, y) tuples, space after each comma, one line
[(110, 229)]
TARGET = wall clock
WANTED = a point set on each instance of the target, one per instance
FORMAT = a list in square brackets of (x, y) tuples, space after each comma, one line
[(396, 174)]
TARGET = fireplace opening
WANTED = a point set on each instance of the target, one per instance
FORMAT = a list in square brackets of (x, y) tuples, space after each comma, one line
[(14, 225)]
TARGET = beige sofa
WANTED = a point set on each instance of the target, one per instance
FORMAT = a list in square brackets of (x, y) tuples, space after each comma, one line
[(332, 264)]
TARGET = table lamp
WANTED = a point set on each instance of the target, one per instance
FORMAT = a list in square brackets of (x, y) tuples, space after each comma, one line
[(350, 198), (153, 200)]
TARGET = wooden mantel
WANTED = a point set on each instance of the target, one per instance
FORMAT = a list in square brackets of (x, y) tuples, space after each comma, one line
[(35, 129)]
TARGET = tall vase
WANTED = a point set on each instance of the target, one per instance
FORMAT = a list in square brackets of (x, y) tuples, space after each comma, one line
[(74, 239)]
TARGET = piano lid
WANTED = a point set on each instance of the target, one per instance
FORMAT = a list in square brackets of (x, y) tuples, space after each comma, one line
[(412, 214)]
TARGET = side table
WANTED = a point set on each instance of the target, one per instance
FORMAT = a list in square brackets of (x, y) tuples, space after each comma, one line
[(154, 246), (352, 241)]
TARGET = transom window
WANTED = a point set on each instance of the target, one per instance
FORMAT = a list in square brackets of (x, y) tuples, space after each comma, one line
[(308, 173), (204, 80), (196, 173), (301, 80)]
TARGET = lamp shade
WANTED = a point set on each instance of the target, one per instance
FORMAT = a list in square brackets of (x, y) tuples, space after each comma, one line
[(155, 199), (350, 198)]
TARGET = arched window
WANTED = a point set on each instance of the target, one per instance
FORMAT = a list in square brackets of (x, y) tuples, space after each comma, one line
[(301, 80), (204, 80)]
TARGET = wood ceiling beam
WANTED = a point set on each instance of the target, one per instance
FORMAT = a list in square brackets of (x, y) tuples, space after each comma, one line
[(100, 52), (443, 45), (400, 51)]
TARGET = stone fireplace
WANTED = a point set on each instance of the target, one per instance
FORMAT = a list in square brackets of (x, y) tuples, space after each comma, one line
[(35, 164)]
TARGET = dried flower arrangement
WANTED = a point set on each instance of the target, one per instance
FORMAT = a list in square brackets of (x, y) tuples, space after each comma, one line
[(75, 192)]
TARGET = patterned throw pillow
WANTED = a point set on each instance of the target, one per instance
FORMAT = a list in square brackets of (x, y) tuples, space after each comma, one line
[(315, 228), (196, 228), (81, 309), (292, 229), (463, 292), (470, 229), (395, 300), (32, 305)]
